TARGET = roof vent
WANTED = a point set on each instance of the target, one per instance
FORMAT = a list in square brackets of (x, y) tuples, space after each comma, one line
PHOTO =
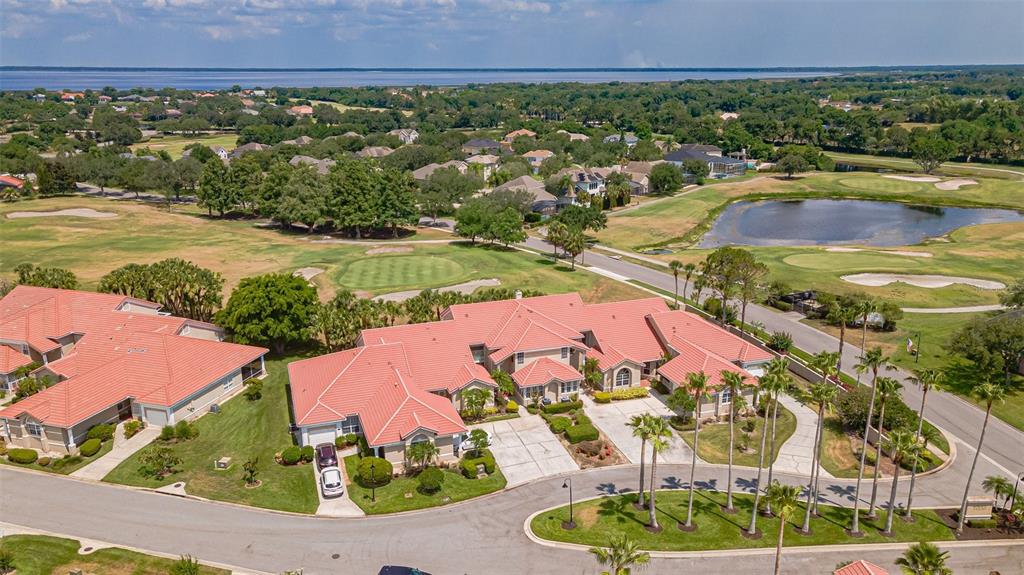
[(519, 294)]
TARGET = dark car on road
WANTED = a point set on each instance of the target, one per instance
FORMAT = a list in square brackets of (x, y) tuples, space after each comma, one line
[(399, 570), (326, 455)]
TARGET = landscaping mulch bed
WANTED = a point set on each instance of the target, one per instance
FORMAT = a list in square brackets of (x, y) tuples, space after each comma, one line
[(949, 517), (586, 462)]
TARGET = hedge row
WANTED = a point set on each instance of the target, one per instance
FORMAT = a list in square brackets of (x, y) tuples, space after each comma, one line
[(578, 433), (618, 394), (563, 407), (468, 464), (558, 425)]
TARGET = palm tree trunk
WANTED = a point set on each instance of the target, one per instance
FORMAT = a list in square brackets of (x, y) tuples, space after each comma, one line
[(863, 340), (842, 340), (732, 439), (693, 466), (771, 452), (643, 452), (778, 544), (653, 521), (917, 440), (892, 499), (675, 294), (812, 495), (878, 459), (855, 525), (817, 466), (970, 476), (752, 529), (743, 316)]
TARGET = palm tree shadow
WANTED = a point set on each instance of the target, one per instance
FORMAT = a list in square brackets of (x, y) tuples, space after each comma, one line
[(748, 485), (705, 504), (609, 489), (619, 509), (843, 492), (672, 482)]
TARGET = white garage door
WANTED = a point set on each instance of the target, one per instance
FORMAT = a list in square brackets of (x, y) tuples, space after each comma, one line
[(156, 417), (318, 435)]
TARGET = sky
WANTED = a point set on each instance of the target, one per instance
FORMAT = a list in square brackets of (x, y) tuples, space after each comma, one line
[(510, 33)]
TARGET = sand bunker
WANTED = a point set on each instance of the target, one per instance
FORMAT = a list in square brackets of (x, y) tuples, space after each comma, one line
[(894, 252), (955, 184), (308, 273), (464, 288), (914, 178), (925, 281), (77, 212), (389, 250)]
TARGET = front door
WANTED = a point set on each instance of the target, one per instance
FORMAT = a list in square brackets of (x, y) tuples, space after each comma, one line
[(124, 410)]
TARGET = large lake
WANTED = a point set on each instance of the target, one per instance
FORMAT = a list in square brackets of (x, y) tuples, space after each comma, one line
[(27, 78), (834, 222)]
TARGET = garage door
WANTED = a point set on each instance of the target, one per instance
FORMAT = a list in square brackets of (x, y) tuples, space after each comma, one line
[(318, 435), (156, 417)]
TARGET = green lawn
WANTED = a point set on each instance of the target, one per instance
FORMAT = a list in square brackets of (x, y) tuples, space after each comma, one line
[(598, 520), (714, 439), (175, 144), (948, 168), (242, 430), (68, 465), (44, 555), (391, 498)]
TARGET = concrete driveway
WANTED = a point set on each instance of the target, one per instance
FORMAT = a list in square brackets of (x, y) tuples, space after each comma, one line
[(525, 449), (611, 418), (337, 506)]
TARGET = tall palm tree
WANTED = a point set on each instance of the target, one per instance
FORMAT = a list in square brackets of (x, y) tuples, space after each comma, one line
[(824, 363), (641, 429), (902, 446), (622, 554), (924, 558), (734, 381), (779, 383), (925, 379), (764, 383), (873, 360), (888, 388), (660, 432), (697, 385), (784, 499), (842, 315), (824, 394), (990, 393), (865, 308), (1000, 488), (689, 270), (675, 266)]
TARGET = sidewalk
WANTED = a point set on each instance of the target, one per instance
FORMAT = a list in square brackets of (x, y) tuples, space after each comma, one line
[(123, 449), (795, 455)]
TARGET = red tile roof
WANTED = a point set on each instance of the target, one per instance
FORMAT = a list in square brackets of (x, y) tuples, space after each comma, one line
[(11, 359), (860, 567), (544, 371), (693, 359), (12, 181), (691, 327)]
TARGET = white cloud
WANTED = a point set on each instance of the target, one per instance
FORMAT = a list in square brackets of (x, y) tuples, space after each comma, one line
[(80, 37)]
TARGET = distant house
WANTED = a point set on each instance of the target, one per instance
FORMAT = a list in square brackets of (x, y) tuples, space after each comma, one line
[(301, 110), (536, 158), (374, 152), (488, 164), (322, 166), (629, 139), (300, 141), (259, 93), (480, 146), (9, 181), (718, 166), (406, 135), (246, 148), (104, 98), (523, 132), (251, 112), (423, 174), (173, 113), (860, 567), (71, 96), (39, 97), (586, 182), (726, 116), (575, 137), (543, 201)]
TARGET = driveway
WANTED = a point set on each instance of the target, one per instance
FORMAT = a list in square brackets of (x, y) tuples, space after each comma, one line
[(611, 419), (525, 449), (338, 506), (123, 449)]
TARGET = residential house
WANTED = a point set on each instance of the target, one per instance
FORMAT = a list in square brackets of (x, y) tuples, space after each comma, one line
[(718, 166), (259, 93), (486, 164), (406, 135), (480, 146), (584, 183), (573, 137), (247, 148), (172, 113), (39, 97), (521, 133), (301, 110), (860, 567), (250, 112), (629, 139), (726, 116), (374, 152), (9, 181), (300, 141), (111, 358), (322, 166), (103, 98), (536, 158), (543, 202), (404, 384), (218, 150), (423, 174), (71, 96)]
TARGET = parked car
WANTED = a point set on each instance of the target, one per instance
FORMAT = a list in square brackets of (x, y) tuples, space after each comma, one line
[(332, 484), (467, 445), (399, 570), (326, 455)]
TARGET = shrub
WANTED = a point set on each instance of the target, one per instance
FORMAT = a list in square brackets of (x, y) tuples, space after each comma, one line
[(512, 406), (562, 407), (307, 453), (581, 418), (578, 433), (43, 461), (559, 424), (66, 460), (381, 474), (602, 397), (469, 464), (661, 387), (291, 455), (430, 480), (782, 305), (253, 390), (630, 393), (185, 430), (983, 523), (132, 427), (167, 433), (23, 456), (103, 432), (780, 341), (351, 438), (852, 408), (90, 447)]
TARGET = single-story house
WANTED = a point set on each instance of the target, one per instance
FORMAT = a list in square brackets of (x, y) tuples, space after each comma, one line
[(218, 150), (629, 139), (520, 133), (480, 146), (322, 166), (573, 137), (301, 110), (718, 166), (374, 152), (246, 148), (107, 358), (860, 567), (487, 164), (406, 135), (9, 181), (423, 174), (300, 141), (543, 201)]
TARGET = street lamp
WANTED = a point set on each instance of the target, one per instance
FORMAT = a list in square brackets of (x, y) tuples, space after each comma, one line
[(373, 482), (917, 357), (567, 484), (1015, 483)]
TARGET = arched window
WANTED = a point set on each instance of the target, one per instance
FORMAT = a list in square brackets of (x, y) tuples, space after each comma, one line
[(421, 438), (623, 378)]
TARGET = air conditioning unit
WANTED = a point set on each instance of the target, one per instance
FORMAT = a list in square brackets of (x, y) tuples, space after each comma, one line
[(215, 408)]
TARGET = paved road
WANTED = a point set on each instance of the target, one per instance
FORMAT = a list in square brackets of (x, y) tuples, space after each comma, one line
[(962, 419), (480, 536)]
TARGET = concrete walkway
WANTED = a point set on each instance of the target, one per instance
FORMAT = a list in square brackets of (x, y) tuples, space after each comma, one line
[(123, 449), (526, 450), (795, 455)]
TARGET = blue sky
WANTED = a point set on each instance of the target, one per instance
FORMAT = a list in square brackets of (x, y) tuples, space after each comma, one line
[(509, 33)]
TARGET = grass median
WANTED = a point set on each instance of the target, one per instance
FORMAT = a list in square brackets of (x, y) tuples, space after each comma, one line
[(43, 555)]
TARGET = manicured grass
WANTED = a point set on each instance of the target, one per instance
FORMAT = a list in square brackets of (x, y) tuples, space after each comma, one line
[(242, 430), (950, 168), (839, 458), (239, 248), (391, 498), (961, 377), (44, 555), (598, 520), (175, 145), (714, 439), (74, 463)]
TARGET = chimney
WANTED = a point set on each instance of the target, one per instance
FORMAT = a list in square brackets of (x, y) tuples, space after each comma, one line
[(519, 294)]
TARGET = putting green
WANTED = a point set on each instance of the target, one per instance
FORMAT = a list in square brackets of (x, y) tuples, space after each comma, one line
[(884, 185), (396, 271), (848, 261)]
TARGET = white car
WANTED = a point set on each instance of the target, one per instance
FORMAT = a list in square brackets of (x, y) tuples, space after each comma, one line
[(332, 483), (467, 445)]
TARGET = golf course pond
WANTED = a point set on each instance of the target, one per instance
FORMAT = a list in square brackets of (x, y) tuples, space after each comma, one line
[(836, 222)]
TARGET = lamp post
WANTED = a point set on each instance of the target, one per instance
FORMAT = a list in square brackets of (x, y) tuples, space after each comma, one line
[(1015, 484), (567, 484), (373, 482), (917, 356)]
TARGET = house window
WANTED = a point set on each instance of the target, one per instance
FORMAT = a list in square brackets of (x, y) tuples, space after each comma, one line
[(623, 378), (34, 429), (520, 357), (569, 387), (565, 353), (351, 425), (726, 396)]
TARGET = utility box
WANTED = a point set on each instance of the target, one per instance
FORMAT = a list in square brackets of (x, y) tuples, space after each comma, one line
[(222, 464)]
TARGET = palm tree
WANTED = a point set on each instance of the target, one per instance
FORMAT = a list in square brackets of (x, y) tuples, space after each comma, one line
[(621, 555), (784, 499), (779, 383), (641, 429), (901, 446), (925, 379), (697, 385), (825, 363), (422, 453), (765, 384), (999, 487), (873, 360), (675, 266), (989, 393), (887, 389), (660, 432), (924, 558), (734, 381), (823, 394), (842, 315), (865, 308), (689, 270)]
